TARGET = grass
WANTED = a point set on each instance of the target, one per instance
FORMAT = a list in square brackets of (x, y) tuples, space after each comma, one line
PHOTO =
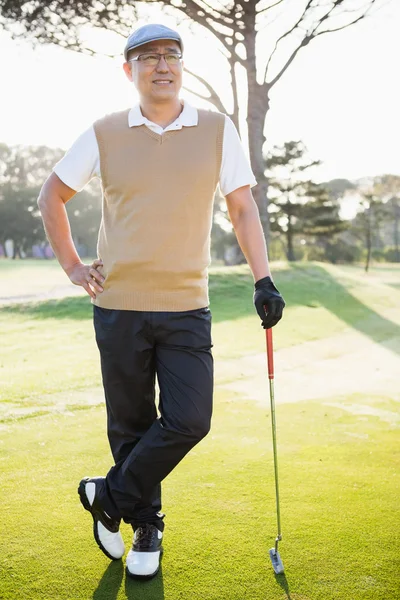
[(51, 342), (339, 467), (31, 276), (339, 488)]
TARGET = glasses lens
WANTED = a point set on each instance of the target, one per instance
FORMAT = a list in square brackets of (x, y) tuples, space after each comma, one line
[(152, 59), (172, 59), (149, 59)]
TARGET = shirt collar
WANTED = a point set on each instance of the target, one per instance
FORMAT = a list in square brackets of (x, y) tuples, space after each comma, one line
[(188, 118)]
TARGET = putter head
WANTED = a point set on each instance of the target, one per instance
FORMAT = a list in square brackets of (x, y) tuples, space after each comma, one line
[(276, 561)]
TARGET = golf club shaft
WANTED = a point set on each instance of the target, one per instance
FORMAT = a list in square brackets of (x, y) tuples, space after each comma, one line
[(273, 422)]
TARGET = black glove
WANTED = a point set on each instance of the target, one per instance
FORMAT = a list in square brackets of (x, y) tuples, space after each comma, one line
[(266, 295)]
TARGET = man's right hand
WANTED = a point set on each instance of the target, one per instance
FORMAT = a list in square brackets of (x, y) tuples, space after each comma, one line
[(87, 276)]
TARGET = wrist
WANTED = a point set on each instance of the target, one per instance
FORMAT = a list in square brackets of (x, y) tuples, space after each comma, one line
[(264, 280), (68, 269)]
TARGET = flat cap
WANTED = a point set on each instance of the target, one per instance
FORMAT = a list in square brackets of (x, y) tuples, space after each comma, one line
[(151, 33)]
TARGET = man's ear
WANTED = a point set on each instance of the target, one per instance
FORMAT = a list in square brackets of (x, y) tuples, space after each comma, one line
[(128, 70)]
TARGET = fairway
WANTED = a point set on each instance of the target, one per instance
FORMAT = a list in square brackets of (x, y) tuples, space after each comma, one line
[(337, 363)]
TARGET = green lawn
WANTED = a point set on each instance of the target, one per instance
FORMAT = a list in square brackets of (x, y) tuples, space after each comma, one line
[(49, 346), (339, 470)]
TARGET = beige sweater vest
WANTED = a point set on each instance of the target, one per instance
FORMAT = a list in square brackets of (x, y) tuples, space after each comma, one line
[(158, 192)]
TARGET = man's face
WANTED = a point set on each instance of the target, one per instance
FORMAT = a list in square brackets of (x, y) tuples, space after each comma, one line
[(158, 83)]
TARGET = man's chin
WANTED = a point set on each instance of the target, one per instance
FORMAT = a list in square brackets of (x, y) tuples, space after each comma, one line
[(165, 95), (168, 91)]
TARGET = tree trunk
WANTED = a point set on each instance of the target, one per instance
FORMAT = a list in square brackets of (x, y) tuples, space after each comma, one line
[(289, 236), (368, 260), (396, 230), (235, 114), (368, 239), (255, 122), (257, 107)]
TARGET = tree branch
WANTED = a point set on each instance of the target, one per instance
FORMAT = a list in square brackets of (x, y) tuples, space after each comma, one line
[(194, 10), (311, 35), (213, 98), (306, 40), (264, 10), (344, 27), (213, 11), (308, 6)]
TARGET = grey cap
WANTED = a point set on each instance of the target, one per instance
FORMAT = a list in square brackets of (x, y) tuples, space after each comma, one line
[(151, 33)]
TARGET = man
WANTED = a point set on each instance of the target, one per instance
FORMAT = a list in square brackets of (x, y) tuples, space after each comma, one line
[(159, 164)]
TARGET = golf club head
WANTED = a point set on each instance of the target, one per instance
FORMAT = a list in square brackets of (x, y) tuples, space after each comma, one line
[(276, 560)]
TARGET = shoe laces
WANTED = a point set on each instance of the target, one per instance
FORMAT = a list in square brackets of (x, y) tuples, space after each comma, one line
[(144, 536)]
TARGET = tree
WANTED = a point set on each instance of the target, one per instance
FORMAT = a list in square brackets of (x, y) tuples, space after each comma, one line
[(366, 223), (337, 188), (387, 187), (237, 25), (297, 204), (23, 169)]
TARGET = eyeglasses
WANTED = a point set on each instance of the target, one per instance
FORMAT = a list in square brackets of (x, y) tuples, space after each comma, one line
[(152, 59)]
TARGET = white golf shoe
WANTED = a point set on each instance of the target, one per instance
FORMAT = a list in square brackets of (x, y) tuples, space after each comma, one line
[(105, 528), (143, 559)]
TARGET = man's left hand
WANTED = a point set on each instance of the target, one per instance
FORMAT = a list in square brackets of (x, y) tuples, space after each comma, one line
[(268, 302)]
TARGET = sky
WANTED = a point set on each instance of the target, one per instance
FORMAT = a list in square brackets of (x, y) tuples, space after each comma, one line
[(340, 96)]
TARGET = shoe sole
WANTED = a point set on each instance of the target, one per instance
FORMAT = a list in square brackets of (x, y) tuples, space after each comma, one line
[(145, 577), (86, 505)]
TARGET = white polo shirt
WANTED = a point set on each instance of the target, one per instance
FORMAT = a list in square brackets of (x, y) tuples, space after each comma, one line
[(82, 161)]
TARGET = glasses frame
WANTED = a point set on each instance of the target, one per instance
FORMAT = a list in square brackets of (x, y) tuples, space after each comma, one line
[(137, 58)]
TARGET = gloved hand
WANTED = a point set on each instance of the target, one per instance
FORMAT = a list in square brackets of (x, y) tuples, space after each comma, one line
[(266, 295)]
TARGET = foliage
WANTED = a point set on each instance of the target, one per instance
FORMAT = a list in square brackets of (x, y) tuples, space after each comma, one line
[(367, 223), (338, 187), (387, 187), (23, 170), (298, 206)]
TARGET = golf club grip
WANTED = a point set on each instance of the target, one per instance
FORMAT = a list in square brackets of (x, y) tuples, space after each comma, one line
[(270, 353)]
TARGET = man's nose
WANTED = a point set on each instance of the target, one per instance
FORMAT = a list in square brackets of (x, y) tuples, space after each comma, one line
[(162, 65)]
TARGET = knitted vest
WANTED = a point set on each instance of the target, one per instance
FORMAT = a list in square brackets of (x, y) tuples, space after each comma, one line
[(158, 192)]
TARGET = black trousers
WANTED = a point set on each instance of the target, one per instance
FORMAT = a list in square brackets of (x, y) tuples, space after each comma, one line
[(135, 347)]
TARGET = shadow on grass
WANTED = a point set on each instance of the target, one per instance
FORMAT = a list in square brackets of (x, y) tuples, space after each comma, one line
[(70, 307), (315, 287), (302, 285), (283, 582), (231, 297), (153, 589), (111, 581)]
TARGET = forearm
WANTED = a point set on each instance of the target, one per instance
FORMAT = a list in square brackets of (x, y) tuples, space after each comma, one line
[(251, 240), (58, 230)]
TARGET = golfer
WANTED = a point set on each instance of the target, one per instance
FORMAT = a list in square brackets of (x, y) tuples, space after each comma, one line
[(159, 164)]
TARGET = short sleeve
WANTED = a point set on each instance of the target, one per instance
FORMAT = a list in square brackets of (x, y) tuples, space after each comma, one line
[(81, 162), (235, 167)]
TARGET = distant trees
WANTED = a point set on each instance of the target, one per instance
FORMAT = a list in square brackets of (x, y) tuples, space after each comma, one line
[(297, 205), (377, 223), (305, 216), (23, 170), (366, 224), (306, 221), (387, 188)]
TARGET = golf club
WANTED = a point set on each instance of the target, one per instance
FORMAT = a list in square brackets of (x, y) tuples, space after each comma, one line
[(276, 560)]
